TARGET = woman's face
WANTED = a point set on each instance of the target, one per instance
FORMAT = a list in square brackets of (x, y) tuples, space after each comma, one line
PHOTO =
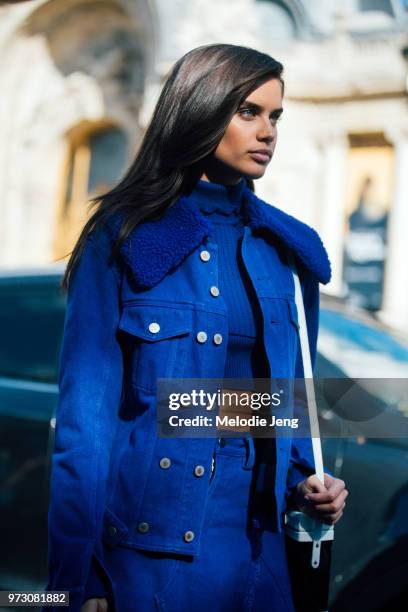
[(252, 128)]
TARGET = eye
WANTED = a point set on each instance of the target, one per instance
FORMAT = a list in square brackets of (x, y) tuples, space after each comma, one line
[(249, 112), (242, 111)]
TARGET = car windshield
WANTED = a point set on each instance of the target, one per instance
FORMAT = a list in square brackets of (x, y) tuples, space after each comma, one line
[(360, 350), (374, 359)]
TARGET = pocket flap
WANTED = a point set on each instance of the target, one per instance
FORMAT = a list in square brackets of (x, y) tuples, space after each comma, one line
[(154, 323), (114, 530), (282, 309)]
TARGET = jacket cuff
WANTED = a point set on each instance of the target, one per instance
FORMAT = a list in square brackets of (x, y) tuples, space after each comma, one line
[(95, 585), (296, 475)]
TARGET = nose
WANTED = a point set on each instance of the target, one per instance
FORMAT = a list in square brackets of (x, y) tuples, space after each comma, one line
[(266, 132)]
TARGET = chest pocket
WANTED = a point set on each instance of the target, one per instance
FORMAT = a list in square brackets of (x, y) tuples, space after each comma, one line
[(283, 336), (157, 342)]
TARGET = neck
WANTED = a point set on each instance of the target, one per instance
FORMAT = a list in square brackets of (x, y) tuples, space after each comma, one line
[(221, 181)]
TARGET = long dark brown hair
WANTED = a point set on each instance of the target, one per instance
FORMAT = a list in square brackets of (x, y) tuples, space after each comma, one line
[(201, 94)]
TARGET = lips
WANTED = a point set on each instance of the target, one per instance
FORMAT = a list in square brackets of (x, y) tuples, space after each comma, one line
[(262, 155)]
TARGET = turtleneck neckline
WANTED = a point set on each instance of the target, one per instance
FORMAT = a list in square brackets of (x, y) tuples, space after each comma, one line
[(217, 197)]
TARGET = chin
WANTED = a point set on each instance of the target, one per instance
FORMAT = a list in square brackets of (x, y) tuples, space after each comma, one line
[(253, 171), (254, 174)]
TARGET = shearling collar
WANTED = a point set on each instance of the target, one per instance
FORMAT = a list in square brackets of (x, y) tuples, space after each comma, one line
[(154, 248)]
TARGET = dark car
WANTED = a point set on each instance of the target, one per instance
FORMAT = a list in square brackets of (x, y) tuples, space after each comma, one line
[(32, 308), (363, 368), (370, 553)]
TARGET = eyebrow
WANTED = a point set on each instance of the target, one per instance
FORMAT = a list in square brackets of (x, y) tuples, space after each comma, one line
[(276, 111)]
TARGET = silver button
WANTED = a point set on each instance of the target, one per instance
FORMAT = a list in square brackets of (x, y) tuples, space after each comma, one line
[(143, 527), (154, 328), (201, 336), (189, 536), (165, 463), (199, 470), (214, 291), (112, 530), (205, 255), (217, 338)]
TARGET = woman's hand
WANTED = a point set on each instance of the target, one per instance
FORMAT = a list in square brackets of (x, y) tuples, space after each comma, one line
[(324, 502), (99, 604)]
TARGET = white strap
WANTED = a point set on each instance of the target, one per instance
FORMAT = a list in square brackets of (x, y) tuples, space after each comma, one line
[(308, 375)]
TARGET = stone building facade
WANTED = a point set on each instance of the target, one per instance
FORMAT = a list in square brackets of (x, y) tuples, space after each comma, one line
[(79, 80)]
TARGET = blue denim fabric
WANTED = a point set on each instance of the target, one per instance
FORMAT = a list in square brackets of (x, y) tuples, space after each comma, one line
[(106, 475), (241, 566)]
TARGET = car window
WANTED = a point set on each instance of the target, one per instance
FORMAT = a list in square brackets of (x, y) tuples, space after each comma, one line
[(31, 326)]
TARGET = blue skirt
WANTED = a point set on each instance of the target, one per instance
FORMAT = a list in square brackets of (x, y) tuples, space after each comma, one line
[(240, 567)]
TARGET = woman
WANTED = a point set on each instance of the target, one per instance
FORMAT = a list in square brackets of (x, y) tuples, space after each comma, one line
[(182, 272)]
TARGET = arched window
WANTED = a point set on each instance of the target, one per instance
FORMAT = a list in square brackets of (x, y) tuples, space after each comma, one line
[(96, 159), (275, 21)]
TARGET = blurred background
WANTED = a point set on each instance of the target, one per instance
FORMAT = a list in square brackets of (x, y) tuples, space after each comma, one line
[(78, 81)]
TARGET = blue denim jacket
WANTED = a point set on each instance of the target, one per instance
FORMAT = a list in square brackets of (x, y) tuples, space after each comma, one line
[(107, 479)]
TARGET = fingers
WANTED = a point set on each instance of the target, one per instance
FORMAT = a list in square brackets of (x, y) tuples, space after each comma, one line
[(102, 605), (333, 506), (333, 513), (331, 520), (314, 485), (327, 494), (323, 502), (90, 606), (328, 505), (328, 480), (99, 604)]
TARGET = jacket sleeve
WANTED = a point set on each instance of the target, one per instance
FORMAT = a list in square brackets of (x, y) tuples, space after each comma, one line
[(301, 460), (95, 586), (90, 385)]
